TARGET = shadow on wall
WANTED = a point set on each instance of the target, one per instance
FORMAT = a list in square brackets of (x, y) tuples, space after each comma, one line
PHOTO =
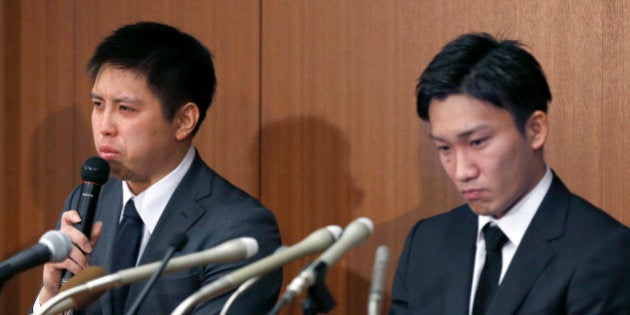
[(54, 169), (306, 181), (49, 173)]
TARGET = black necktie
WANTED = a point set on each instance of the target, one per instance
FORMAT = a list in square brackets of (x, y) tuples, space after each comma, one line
[(491, 272), (125, 253)]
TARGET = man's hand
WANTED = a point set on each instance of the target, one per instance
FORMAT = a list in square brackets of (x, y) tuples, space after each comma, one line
[(78, 259)]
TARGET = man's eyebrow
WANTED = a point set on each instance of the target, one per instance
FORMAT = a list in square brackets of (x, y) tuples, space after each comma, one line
[(462, 135), (122, 99), (96, 96)]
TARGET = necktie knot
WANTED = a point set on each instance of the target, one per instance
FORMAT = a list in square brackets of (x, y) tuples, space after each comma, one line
[(494, 237), (131, 212)]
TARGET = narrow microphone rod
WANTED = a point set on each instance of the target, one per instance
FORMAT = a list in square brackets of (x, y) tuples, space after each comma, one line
[(379, 273), (175, 245)]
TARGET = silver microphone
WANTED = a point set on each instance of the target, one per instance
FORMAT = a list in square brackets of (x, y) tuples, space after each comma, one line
[(379, 274), (53, 246)]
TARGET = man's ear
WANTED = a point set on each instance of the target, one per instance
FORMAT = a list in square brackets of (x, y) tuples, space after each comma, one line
[(536, 129), (185, 120)]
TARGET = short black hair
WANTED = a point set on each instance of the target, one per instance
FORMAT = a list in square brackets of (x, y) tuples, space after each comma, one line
[(499, 72), (177, 67)]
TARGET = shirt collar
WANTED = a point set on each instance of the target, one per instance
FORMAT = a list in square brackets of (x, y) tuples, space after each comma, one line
[(152, 202), (517, 219)]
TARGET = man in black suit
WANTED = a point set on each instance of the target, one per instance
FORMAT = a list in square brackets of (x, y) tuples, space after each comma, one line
[(152, 87), (523, 243)]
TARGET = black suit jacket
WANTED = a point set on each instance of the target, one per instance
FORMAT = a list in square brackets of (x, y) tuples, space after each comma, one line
[(210, 210), (573, 259)]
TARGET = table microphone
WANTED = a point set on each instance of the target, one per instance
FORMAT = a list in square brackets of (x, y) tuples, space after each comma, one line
[(379, 274)]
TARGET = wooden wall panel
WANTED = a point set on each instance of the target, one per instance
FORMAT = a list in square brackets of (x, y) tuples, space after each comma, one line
[(568, 44), (8, 50), (615, 110), (40, 141), (336, 115)]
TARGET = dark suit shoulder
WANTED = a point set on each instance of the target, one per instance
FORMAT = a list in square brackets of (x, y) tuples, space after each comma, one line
[(442, 223), (582, 210)]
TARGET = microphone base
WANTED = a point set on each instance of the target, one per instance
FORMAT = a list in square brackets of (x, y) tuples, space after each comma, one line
[(319, 299)]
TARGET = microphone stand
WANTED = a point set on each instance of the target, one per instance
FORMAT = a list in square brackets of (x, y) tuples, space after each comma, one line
[(176, 244), (318, 299)]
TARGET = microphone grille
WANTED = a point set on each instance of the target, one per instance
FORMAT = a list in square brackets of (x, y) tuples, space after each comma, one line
[(335, 231), (251, 246), (367, 223), (96, 170), (58, 243)]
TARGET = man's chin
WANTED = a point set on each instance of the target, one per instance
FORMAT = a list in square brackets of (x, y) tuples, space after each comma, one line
[(117, 171), (489, 212), (486, 211)]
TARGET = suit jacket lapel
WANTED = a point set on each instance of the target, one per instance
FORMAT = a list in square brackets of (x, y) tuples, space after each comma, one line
[(181, 212), (534, 252), (459, 264), (112, 197)]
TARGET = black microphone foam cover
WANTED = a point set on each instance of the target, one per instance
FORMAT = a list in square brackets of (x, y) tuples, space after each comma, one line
[(95, 170)]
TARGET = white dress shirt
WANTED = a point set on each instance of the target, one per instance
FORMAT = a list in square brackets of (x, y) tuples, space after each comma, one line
[(151, 202)]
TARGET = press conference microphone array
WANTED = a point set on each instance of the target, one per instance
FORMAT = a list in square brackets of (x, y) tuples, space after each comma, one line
[(175, 245), (379, 274), (353, 235), (315, 242), (94, 173), (229, 251), (53, 246)]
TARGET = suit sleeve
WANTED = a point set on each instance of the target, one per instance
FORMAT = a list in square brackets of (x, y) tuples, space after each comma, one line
[(602, 282), (400, 293), (258, 299)]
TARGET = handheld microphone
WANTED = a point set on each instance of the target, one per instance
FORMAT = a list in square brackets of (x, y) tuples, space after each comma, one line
[(353, 235), (316, 241), (53, 246), (176, 244), (379, 273), (229, 251), (94, 173)]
